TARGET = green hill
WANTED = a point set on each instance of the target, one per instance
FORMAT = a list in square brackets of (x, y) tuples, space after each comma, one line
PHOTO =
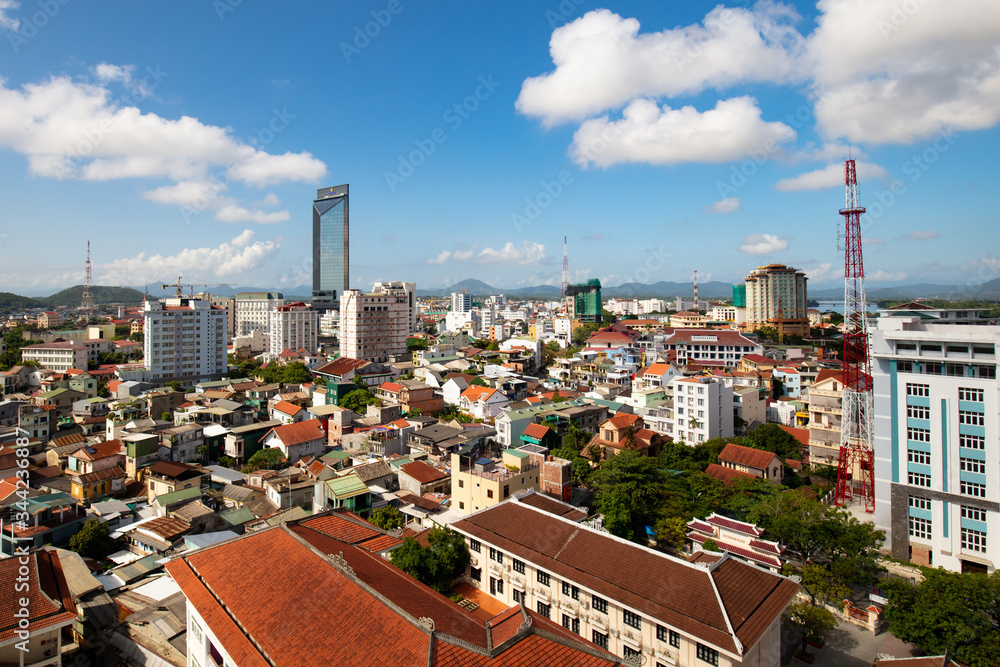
[(9, 301), (72, 296)]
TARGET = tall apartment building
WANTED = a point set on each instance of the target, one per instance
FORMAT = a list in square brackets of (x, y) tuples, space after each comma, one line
[(331, 246), (293, 326), (410, 289), (937, 452), (375, 325), (185, 339), (825, 413), (703, 409), (583, 302), (461, 302), (59, 357), (252, 311), (774, 288), (227, 304)]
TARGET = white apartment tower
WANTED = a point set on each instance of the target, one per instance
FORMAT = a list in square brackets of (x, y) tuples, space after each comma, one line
[(410, 289), (703, 409), (252, 311), (185, 339), (937, 453), (375, 325), (775, 288), (461, 302), (293, 326)]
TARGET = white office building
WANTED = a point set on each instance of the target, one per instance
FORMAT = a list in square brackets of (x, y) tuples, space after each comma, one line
[(461, 302), (185, 340), (937, 455), (252, 311), (374, 326), (410, 290), (703, 409), (293, 326)]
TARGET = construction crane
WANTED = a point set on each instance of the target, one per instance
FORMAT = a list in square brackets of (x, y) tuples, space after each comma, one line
[(180, 286)]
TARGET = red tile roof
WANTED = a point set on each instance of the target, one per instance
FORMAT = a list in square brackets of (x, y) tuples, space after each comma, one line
[(537, 431), (726, 475), (390, 386), (829, 374), (732, 524), (299, 432), (352, 529), (341, 366), (747, 456), (801, 434), (740, 551), (476, 393), (53, 607), (423, 472), (287, 408), (100, 451), (624, 420)]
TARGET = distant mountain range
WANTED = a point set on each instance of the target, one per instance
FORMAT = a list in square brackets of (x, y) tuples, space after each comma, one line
[(664, 290)]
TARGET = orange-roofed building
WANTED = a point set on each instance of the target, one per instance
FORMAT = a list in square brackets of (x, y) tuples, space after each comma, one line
[(297, 440), (482, 402)]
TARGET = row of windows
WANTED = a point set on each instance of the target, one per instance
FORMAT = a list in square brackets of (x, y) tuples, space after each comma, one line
[(973, 540), (951, 370), (917, 456), (918, 479), (920, 527), (973, 489), (919, 502), (971, 418), (972, 441), (918, 412), (973, 395), (972, 465), (918, 434)]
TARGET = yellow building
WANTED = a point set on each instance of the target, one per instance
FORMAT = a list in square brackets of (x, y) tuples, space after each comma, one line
[(484, 482)]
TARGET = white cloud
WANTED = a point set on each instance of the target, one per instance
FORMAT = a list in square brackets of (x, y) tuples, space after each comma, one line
[(270, 199), (921, 235), (236, 257), (77, 130), (198, 195), (602, 61), (7, 22), (865, 241), (460, 255), (528, 252), (886, 276), (831, 176), (825, 273), (645, 133), (892, 72), (762, 244), (727, 205), (239, 214)]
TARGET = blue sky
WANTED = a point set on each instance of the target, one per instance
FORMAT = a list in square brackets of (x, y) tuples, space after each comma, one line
[(189, 138)]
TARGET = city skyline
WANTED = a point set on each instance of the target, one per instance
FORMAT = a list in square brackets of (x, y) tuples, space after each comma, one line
[(665, 139)]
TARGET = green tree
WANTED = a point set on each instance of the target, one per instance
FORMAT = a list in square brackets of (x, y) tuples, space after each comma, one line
[(137, 337), (808, 621), (268, 458), (102, 389), (358, 400), (823, 585), (437, 564), (226, 462), (387, 518), (773, 438), (710, 545), (166, 416), (948, 612), (414, 344), (202, 452), (93, 540), (671, 532), (175, 385), (631, 491), (478, 381), (295, 373)]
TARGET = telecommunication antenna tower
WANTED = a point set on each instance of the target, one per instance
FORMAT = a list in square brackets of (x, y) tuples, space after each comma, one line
[(565, 274), (856, 441), (696, 309), (87, 302)]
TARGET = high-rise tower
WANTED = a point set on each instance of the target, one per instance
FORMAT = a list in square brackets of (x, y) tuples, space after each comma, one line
[(331, 246), (87, 302), (856, 437)]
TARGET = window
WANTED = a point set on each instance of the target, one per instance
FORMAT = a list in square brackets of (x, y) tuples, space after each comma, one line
[(571, 623), (496, 555), (973, 540), (631, 619), (918, 479), (972, 465), (518, 565), (661, 633), (675, 639), (973, 489), (543, 578), (475, 545), (489, 493), (919, 502), (905, 347), (920, 527), (600, 639), (599, 604), (973, 513), (918, 389), (971, 418), (518, 595), (628, 652), (461, 483), (476, 574), (918, 434), (918, 412), (917, 456), (506, 490), (972, 441), (707, 654), (967, 394), (544, 609)]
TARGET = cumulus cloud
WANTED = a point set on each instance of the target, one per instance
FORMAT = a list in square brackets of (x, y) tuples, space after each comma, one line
[(238, 256), (602, 62), (831, 176), (239, 214), (8, 22), (646, 133), (893, 72), (79, 130), (921, 235), (825, 273), (270, 199), (886, 276), (525, 254), (762, 244), (727, 205)]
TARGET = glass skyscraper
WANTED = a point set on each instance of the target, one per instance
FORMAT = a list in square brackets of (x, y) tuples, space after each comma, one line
[(331, 245)]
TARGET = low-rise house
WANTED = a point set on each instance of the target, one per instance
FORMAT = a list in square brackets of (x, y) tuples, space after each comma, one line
[(742, 540), (623, 432), (452, 390), (141, 450), (419, 477), (169, 476), (288, 413), (181, 442), (96, 457), (543, 436), (287, 491), (242, 442), (482, 402), (757, 462), (165, 503), (346, 491), (157, 535), (52, 518), (99, 484), (33, 632), (480, 482), (296, 440), (726, 475), (58, 357)]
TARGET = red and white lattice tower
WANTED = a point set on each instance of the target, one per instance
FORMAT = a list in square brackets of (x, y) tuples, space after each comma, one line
[(856, 473), (87, 302), (695, 309), (565, 276)]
